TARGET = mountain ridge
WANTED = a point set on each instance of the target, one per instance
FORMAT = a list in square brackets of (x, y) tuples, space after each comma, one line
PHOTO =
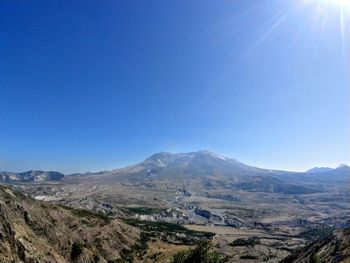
[(31, 176), (203, 162)]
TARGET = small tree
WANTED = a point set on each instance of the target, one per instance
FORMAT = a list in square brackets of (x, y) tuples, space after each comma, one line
[(77, 249)]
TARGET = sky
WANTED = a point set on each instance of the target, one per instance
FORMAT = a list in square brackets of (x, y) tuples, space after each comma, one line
[(96, 85)]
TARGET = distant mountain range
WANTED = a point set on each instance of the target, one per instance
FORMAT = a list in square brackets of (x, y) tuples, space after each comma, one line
[(327, 169), (319, 170), (201, 165), (31, 176)]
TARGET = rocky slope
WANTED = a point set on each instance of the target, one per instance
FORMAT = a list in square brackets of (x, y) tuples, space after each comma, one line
[(33, 231), (333, 248)]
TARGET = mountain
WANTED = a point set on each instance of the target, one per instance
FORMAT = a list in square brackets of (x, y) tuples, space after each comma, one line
[(199, 163), (187, 165), (339, 174), (319, 170), (203, 170), (208, 164), (31, 176), (33, 231), (342, 170)]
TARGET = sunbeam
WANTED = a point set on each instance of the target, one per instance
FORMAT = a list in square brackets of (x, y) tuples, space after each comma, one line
[(325, 12)]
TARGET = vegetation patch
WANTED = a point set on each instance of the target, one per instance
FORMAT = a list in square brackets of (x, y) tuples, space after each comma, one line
[(241, 242), (88, 214), (152, 226), (315, 233), (76, 251), (248, 257), (143, 210), (139, 249), (20, 195), (170, 232), (201, 253), (315, 258)]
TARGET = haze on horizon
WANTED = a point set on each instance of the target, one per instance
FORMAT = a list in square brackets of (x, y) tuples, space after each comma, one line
[(88, 86)]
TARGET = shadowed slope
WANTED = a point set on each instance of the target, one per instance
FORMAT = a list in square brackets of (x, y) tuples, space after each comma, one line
[(32, 231)]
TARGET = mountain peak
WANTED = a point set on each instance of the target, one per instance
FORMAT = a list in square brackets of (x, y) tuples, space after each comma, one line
[(161, 154), (210, 154), (342, 165), (319, 170)]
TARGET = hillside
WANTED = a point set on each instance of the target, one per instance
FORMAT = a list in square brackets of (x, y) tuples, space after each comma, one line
[(33, 231), (333, 248)]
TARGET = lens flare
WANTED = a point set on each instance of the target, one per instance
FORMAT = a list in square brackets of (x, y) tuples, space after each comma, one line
[(341, 3), (328, 10)]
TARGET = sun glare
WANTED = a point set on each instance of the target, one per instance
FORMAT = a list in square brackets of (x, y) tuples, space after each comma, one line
[(344, 5), (341, 3), (325, 11)]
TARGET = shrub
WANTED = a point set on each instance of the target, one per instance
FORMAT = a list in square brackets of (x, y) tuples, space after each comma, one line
[(248, 257), (143, 210), (315, 258), (96, 258), (315, 233), (200, 254), (241, 242), (150, 226), (77, 249)]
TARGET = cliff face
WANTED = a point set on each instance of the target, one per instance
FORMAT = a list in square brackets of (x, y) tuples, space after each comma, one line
[(32, 231), (333, 248)]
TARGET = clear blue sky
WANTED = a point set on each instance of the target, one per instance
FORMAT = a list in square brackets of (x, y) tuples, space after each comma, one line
[(91, 85)]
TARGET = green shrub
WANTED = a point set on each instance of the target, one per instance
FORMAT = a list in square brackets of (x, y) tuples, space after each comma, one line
[(315, 233), (143, 210), (86, 214), (200, 254), (77, 249), (241, 242), (96, 258), (150, 226), (248, 257), (315, 258)]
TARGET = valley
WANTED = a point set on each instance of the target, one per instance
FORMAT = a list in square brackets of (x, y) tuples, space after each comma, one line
[(272, 213)]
